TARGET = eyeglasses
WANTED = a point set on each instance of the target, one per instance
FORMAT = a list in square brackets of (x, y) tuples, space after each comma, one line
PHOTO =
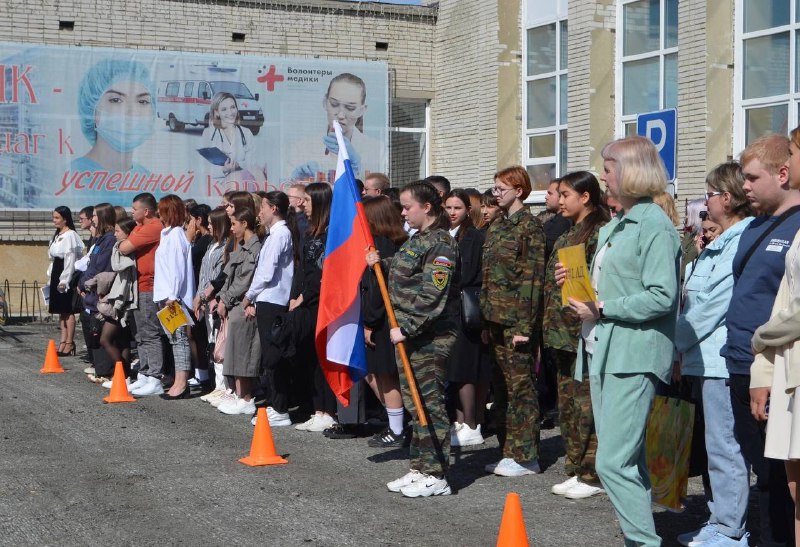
[(500, 191), (710, 195)]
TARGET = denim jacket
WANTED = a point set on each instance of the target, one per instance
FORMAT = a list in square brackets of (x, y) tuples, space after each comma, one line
[(638, 286), (701, 331)]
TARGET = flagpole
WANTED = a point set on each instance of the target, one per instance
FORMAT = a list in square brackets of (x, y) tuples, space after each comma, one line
[(401, 347)]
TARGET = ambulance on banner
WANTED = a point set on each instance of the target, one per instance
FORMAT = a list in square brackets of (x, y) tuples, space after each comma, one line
[(82, 125)]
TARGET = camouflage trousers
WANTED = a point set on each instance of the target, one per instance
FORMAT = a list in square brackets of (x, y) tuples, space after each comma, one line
[(576, 418), (516, 401), (430, 446)]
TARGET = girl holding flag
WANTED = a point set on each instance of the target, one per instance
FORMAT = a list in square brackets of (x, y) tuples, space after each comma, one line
[(423, 288)]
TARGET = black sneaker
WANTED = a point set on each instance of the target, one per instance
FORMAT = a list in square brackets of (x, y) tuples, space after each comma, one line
[(388, 439), (341, 431)]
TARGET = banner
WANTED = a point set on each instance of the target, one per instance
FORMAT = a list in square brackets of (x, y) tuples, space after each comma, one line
[(81, 126)]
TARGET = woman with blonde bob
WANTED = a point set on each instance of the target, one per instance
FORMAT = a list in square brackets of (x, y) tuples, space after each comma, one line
[(635, 275)]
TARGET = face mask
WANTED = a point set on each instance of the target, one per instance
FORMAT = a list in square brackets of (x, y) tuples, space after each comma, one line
[(124, 133)]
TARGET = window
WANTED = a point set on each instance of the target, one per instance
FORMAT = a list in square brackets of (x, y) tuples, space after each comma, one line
[(767, 69), (203, 91), (408, 141), (188, 89), (172, 89), (647, 46), (544, 139)]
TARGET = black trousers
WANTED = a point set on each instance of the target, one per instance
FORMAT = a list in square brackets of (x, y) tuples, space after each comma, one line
[(776, 508), (276, 377)]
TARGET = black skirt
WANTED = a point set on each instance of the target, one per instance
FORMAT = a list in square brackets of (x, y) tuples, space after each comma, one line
[(471, 360), (381, 359), (59, 302)]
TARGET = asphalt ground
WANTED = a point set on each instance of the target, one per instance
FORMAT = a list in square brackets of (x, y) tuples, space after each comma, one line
[(75, 471)]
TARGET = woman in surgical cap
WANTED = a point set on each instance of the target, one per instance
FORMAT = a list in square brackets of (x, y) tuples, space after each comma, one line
[(116, 104)]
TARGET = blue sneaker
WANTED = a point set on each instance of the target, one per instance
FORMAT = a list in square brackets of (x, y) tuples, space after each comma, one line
[(721, 540), (696, 538)]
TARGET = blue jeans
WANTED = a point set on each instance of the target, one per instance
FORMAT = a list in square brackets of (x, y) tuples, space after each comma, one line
[(727, 469)]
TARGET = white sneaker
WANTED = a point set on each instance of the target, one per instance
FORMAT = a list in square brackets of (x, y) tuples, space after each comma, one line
[(227, 395), (89, 370), (509, 468), (211, 395), (238, 406), (426, 485), (406, 480), (278, 419), (454, 427), (563, 487), (466, 436), (141, 380), (322, 423), (193, 382), (308, 423), (151, 387), (583, 490), (107, 385)]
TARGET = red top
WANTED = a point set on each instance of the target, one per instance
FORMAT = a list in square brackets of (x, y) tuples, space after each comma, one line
[(145, 239)]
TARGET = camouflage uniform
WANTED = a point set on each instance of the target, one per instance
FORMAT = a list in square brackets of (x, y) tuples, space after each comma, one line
[(423, 287), (513, 268), (562, 329)]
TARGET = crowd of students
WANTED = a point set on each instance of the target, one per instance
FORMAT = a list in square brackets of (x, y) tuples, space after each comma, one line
[(475, 283)]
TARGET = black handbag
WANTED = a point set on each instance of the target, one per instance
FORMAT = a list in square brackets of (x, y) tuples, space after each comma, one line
[(471, 308)]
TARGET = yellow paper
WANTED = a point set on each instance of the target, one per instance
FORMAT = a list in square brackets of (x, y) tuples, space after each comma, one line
[(577, 285), (174, 317)]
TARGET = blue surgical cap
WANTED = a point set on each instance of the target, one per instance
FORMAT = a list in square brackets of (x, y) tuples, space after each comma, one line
[(97, 81)]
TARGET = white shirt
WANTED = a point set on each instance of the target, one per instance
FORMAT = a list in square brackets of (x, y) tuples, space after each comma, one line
[(272, 280), (237, 149), (589, 326), (174, 275), (69, 247)]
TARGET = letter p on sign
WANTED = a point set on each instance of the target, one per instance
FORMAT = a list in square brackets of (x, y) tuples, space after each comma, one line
[(661, 128)]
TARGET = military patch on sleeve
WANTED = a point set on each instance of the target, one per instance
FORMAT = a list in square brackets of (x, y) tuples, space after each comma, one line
[(440, 276), (443, 261)]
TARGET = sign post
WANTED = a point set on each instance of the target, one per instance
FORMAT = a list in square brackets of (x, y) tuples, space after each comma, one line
[(662, 128)]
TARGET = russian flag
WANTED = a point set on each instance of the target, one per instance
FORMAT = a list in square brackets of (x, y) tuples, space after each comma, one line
[(340, 330)]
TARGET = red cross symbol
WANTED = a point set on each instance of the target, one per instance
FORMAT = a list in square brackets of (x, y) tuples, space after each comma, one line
[(270, 78)]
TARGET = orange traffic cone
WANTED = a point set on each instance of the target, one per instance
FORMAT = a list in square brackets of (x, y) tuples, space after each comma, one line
[(262, 449), (51, 364), (512, 527), (119, 389)]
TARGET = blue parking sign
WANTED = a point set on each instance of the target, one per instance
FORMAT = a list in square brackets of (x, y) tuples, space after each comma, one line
[(662, 128)]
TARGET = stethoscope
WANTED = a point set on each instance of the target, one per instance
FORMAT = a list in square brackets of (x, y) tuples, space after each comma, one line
[(222, 139)]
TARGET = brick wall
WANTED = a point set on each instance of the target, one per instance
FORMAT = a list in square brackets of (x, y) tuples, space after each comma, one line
[(464, 111)]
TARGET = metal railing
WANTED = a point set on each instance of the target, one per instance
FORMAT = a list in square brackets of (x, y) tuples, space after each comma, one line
[(22, 303)]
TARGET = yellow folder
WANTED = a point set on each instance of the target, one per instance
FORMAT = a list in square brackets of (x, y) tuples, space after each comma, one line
[(578, 285), (174, 317)]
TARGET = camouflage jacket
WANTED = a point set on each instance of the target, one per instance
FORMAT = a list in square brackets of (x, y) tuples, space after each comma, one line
[(424, 280), (513, 272), (560, 325)]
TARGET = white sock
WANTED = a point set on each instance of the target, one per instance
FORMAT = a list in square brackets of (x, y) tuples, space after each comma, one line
[(395, 420), (201, 374), (218, 377)]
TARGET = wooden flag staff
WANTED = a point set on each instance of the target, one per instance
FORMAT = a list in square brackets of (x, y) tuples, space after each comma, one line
[(401, 347)]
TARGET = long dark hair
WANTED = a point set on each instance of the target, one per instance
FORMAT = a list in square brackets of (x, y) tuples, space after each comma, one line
[(463, 196), (283, 210), (66, 214), (584, 181), (383, 219), (424, 192), (321, 195)]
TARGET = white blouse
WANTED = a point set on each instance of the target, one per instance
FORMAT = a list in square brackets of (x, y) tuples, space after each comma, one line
[(69, 247)]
